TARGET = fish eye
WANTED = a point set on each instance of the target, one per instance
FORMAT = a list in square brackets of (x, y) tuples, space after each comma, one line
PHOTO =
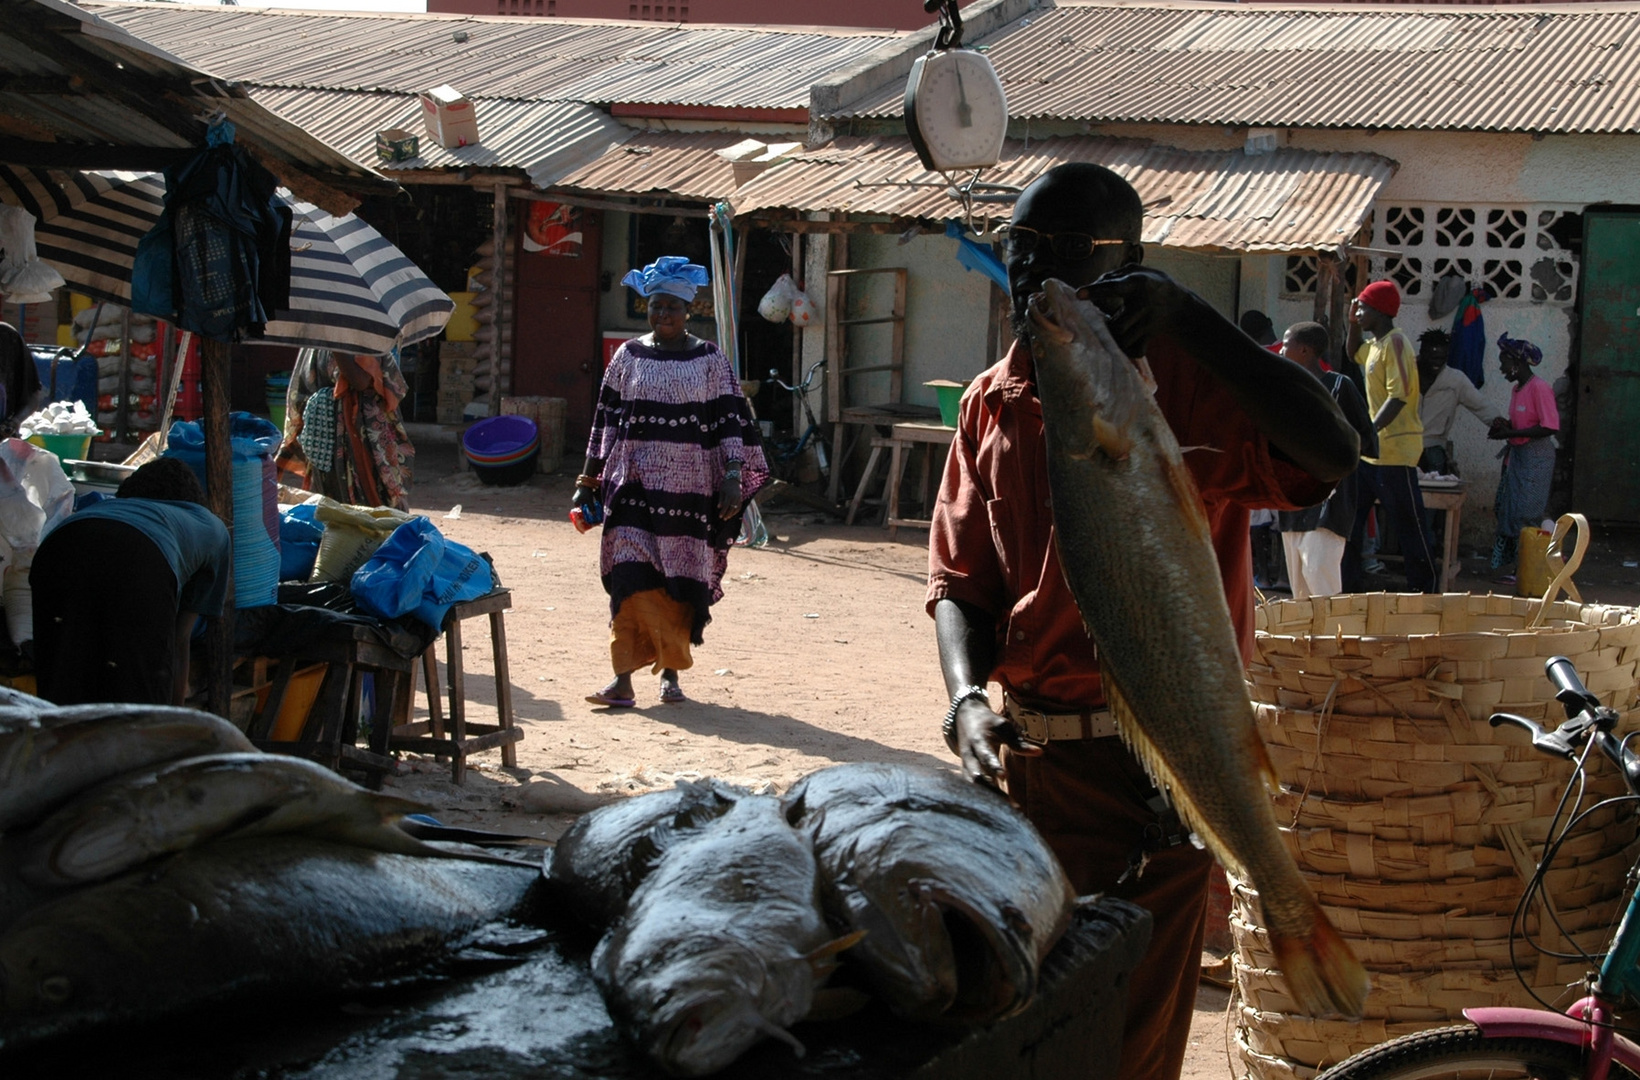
[(56, 989)]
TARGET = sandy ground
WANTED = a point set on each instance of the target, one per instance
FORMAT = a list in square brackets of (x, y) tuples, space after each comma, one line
[(819, 652)]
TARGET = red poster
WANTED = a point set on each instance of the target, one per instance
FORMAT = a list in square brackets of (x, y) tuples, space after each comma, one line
[(553, 229)]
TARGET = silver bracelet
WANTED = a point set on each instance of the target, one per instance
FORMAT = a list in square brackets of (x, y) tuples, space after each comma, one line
[(949, 728)]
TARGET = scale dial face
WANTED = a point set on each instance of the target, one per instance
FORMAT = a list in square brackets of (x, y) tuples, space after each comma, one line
[(955, 111)]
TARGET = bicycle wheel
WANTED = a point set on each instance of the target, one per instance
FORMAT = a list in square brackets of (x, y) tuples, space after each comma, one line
[(1463, 1053)]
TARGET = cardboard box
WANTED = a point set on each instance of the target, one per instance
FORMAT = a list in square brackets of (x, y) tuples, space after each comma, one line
[(449, 117), (396, 144)]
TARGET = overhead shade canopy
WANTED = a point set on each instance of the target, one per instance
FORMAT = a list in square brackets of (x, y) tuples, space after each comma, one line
[(1286, 200), (79, 92), (350, 288)]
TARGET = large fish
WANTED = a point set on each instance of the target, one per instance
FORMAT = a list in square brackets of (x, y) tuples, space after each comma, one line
[(722, 945), (1134, 543), (61, 752), (276, 917), (959, 897), (143, 815), (601, 860)]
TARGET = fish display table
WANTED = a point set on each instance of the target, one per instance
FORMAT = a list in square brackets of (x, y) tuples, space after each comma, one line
[(542, 1017)]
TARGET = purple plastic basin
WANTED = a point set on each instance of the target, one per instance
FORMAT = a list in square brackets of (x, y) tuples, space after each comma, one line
[(499, 438)]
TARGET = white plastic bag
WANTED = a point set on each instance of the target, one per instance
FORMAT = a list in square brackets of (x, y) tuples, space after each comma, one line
[(34, 495), (776, 305), (802, 308), (753, 533)]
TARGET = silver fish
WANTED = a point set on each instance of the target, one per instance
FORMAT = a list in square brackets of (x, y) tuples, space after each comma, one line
[(906, 855), (42, 764), (140, 816), (601, 860), (1137, 553), (274, 917), (723, 943)]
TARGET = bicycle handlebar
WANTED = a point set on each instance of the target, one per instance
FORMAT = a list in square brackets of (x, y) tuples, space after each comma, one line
[(1586, 719), (800, 388)]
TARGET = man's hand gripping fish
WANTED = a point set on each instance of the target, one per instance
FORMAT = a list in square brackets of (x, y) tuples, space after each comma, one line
[(1134, 543)]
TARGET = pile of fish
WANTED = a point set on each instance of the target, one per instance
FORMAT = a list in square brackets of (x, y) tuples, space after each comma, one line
[(723, 913), (152, 861), (1137, 553)]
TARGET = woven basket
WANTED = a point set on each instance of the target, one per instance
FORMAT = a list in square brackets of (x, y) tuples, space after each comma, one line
[(1415, 821)]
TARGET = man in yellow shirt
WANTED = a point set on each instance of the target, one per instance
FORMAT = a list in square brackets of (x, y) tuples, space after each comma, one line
[(1390, 367)]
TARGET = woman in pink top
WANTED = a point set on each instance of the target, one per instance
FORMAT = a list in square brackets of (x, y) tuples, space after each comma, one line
[(1529, 457)]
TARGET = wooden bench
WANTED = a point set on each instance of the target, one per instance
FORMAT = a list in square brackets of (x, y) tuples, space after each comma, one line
[(903, 438)]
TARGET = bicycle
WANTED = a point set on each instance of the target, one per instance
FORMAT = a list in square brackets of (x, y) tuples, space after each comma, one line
[(784, 454), (1580, 1043)]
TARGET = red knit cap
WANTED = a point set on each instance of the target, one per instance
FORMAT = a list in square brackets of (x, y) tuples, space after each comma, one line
[(1382, 296)]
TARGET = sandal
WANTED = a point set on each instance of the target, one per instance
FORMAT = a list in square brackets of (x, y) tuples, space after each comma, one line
[(672, 693), (610, 700)]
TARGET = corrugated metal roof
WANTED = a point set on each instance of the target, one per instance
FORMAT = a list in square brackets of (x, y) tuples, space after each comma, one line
[(595, 61), (544, 139), (681, 164), (1549, 68), (73, 80), (1286, 200)]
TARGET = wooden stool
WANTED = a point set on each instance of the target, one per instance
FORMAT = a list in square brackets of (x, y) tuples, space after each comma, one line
[(906, 437), (427, 736)]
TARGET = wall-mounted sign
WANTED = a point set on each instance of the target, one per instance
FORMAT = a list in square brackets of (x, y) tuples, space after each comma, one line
[(553, 229)]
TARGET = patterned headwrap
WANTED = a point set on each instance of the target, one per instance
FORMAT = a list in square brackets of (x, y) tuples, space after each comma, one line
[(1521, 348), (670, 274)]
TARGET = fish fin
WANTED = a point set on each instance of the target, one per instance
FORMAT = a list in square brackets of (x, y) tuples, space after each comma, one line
[(1113, 439), (837, 1002), (775, 1031), (393, 807), (1156, 767), (1146, 376), (1322, 973), (824, 959)]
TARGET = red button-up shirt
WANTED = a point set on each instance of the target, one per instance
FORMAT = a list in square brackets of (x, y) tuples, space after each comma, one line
[(991, 544)]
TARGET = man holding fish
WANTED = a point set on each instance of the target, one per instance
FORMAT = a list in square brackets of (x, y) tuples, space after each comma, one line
[(1032, 563)]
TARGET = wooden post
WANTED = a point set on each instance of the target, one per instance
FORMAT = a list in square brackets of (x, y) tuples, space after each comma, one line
[(214, 362), (500, 381)]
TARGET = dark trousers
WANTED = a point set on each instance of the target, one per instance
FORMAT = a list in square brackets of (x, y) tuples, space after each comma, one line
[(105, 610), (1395, 487), (1087, 798)]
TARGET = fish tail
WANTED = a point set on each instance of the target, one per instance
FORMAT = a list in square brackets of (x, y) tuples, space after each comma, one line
[(1322, 973)]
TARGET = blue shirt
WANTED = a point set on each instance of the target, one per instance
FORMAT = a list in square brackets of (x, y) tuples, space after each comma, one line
[(192, 539)]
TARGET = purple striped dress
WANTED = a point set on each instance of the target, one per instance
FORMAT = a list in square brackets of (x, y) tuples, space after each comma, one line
[(665, 426)]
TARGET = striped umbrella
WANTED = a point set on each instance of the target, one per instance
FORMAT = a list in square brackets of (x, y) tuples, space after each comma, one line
[(350, 289)]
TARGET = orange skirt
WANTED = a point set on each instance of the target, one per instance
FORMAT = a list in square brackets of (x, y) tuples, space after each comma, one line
[(651, 628)]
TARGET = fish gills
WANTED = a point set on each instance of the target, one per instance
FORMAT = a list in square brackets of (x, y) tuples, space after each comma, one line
[(723, 943), (947, 935), (68, 750), (140, 816), (1135, 546)]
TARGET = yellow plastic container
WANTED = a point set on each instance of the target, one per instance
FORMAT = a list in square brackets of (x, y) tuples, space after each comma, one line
[(299, 698), (64, 446), (78, 303), (463, 320)]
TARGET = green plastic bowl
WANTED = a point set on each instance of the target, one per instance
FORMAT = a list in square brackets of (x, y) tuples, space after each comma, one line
[(64, 446)]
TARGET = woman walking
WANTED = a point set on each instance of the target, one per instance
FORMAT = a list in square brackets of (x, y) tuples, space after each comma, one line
[(1529, 457), (343, 434), (673, 457)]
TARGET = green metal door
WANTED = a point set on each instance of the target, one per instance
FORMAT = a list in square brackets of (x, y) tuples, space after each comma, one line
[(1606, 483)]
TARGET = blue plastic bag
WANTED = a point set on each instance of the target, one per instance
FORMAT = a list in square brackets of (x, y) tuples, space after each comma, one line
[(419, 572), (299, 535)]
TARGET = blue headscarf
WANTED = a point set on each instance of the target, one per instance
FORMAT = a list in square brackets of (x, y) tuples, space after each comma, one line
[(1520, 347), (670, 274)]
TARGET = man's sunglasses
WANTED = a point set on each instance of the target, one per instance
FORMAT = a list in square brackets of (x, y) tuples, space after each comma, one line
[(1021, 240)]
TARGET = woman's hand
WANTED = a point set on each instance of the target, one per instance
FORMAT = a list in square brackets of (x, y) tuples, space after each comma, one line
[(1499, 429), (729, 497), (583, 495)]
